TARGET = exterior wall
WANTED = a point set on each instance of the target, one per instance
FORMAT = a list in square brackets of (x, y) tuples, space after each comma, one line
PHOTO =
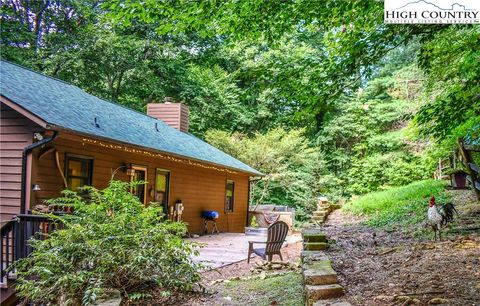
[(198, 188), (16, 133), (173, 114)]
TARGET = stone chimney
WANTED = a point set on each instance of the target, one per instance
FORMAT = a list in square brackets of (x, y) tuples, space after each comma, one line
[(173, 114)]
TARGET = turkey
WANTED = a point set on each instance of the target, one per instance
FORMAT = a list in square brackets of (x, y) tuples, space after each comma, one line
[(439, 216)]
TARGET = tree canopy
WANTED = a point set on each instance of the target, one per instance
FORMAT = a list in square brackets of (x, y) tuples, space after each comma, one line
[(377, 102)]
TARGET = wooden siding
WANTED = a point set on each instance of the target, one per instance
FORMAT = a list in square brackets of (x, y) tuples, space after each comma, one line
[(173, 114), (197, 187), (16, 133)]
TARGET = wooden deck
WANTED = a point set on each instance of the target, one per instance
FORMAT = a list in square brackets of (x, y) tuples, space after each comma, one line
[(227, 248)]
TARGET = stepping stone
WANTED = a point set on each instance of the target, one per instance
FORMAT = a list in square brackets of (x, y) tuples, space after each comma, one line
[(318, 218), (322, 292), (315, 246), (314, 237), (314, 276), (309, 256), (331, 303)]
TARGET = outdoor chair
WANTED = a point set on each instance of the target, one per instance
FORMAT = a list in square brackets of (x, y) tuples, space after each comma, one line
[(276, 234)]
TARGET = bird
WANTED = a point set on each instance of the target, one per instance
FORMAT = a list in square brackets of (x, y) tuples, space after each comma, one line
[(439, 216)]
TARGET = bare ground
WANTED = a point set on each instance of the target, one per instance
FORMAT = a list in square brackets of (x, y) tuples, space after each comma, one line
[(389, 268), (375, 267)]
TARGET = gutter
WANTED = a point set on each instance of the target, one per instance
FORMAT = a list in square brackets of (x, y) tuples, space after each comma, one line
[(26, 152)]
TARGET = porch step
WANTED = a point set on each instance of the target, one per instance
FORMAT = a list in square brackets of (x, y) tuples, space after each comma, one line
[(322, 292)]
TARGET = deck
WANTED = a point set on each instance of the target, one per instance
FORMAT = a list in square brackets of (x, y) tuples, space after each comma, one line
[(227, 248)]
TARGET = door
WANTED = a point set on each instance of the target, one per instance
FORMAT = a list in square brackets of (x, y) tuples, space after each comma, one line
[(140, 174), (162, 186)]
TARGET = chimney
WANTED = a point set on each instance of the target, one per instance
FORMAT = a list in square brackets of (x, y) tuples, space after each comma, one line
[(173, 114)]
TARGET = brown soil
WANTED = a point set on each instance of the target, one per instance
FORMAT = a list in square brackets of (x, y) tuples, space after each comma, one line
[(377, 267), (388, 268)]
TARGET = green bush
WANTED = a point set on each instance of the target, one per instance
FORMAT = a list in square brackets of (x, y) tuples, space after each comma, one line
[(110, 242), (400, 206)]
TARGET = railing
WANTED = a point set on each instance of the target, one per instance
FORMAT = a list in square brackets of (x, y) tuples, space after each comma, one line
[(15, 235)]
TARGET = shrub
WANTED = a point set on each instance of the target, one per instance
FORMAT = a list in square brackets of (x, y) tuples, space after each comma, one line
[(110, 242)]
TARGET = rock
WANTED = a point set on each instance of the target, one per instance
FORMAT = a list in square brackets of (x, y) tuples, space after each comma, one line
[(314, 293), (315, 246), (114, 299), (320, 277), (331, 303), (383, 298), (308, 256), (314, 237), (437, 301)]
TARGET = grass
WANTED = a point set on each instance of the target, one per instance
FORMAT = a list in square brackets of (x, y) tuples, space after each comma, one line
[(400, 207), (283, 289)]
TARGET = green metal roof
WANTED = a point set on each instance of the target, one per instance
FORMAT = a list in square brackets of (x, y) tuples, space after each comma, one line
[(67, 106)]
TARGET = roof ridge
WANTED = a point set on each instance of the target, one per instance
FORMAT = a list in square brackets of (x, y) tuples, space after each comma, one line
[(73, 85)]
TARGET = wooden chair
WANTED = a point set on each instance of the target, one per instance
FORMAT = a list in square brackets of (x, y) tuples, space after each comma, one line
[(276, 234)]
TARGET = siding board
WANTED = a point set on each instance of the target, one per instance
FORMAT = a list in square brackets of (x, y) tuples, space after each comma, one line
[(197, 187)]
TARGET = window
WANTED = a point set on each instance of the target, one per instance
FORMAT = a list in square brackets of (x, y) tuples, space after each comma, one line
[(79, 171), (162, 185), (229, 196), (139, 174)]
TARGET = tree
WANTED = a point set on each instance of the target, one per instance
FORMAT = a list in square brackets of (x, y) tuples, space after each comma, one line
[(294, 171)]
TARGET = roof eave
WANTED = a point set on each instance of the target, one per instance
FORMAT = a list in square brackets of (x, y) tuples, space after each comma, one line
[(63, 129)]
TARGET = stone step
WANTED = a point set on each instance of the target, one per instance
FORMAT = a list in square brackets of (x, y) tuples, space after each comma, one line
[(315, 276), (319, 213), (314, 293), (315, 246), (335, 206), (309, 256), (331, 303), (315, 237), (318, 218)]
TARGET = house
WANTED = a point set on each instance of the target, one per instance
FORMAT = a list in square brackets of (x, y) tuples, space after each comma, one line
[(55, 136)]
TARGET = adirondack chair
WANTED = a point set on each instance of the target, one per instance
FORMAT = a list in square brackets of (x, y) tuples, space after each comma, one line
[(276, 234)]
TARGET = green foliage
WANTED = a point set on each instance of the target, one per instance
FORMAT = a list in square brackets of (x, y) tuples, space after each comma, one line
[(111, 241), (400, 207), (452, 71), (294, 171)]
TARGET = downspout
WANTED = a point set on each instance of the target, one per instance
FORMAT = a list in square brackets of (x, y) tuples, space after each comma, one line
[(26, 152)]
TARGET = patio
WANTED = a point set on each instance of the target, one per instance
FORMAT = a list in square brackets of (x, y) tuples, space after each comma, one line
[(228, 248)]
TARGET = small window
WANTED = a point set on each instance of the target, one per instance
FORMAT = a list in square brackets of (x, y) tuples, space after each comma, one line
[(79, 171), (162, 185), (229, 196)]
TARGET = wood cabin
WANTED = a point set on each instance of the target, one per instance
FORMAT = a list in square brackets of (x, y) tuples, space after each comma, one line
[(55, 136)]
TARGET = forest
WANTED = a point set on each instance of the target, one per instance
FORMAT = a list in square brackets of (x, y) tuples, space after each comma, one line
[(329, 102)]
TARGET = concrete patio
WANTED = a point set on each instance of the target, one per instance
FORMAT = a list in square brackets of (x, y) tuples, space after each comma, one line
[(227, 248)]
